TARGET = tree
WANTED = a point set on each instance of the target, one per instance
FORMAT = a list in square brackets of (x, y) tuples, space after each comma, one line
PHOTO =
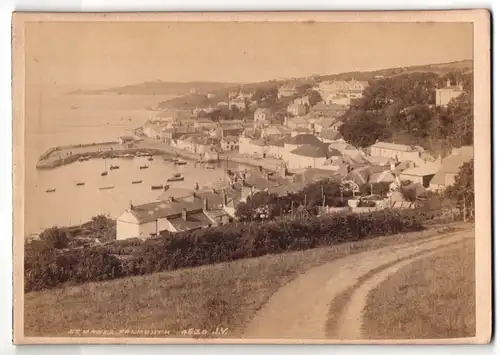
[(460, 110), (55, 237), (259, 206), (462, 191), (314, 97), (363, 129)]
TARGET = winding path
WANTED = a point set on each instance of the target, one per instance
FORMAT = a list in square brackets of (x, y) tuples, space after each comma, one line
[(300, 309)]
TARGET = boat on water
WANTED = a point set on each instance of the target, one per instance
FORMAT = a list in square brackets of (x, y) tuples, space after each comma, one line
[(82, 159), (150, 158), (180, 162), (80, 183), (210, 167), (136, 181), (106, 187), (50, 190), (176, 178), (177, 175), (129, 156), (143, 167), (157, 187), (105, 172), (114, 167)]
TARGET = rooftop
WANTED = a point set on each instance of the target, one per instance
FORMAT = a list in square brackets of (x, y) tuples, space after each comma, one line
[(301, 139), (423, 170), (398, 147), (313, 151), (330, 134)]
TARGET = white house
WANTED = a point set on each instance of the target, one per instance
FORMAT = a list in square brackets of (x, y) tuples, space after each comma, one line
[(197, 211), (399, 152), (249, 146), (262, 117), (448, 93)]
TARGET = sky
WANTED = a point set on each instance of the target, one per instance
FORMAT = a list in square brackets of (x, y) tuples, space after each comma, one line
[(119, 53)]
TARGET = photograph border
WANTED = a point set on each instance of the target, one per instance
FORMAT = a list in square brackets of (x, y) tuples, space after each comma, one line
[(481, 19)]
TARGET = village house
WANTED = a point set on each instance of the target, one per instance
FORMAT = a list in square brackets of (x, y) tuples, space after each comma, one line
[(304, 100), (250, 146), (450, 167), (322, 124), (210, 95), (298, 122), (421, 174), (262, 117), (322, 109), (229, 143), (126, 140), (197, 211), (329, 135), (229, 129), (276, 148), (353, 88), (238, 103), (274, 130), (445, 95), (337, 99), (286, 91), (399, 152), (222, 104), (308, 156), (296, 109)]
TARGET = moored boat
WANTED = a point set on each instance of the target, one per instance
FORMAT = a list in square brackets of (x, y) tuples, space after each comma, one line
[(143, 167), (80, 183), (50, 190), (114, 167), (136, 181), (106, 187), (176, 178), (157, 187), (180, 162)]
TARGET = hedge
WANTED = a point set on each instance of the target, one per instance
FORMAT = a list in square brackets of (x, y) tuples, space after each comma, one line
[(46, 267)]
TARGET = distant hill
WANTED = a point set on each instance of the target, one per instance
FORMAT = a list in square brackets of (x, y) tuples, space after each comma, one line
[(191, 101), (158, 88)]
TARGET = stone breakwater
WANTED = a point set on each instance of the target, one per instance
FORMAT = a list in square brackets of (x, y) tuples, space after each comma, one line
[(59, 156)]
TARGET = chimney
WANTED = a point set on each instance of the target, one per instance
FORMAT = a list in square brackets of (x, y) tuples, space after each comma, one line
[(448, 83), (131, 206), (205, 204), (194, 193), (184, 214), (214, 191), (260, 168), (171, 198), (224, 198)]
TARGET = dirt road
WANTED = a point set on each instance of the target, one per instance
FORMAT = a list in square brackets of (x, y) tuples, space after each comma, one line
[(300, 309)]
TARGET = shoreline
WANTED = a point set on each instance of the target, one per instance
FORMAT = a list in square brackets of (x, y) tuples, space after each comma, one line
[(47, 160)]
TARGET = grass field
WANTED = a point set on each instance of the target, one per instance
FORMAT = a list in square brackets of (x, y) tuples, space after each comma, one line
[(433, 297), (224, 295)]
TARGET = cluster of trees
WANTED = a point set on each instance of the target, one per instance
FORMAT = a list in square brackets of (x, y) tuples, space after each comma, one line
[(402, 108), (462, 191)]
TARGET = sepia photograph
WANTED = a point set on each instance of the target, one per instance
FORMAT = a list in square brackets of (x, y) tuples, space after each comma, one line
[(252, 177)]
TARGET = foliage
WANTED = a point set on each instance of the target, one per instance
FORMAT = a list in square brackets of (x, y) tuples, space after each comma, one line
[(462, 191), (363, 128), (314, 97), (402, 109), (55, 237)]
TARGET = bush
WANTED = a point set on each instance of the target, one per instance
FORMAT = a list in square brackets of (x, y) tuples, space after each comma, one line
[(55, 237)]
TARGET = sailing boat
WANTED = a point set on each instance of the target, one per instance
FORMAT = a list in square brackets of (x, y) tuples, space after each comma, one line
[(105, 172)]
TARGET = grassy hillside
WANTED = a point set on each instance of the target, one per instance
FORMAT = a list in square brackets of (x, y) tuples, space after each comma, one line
[(224, 295), (158, 88), (430, 298)]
